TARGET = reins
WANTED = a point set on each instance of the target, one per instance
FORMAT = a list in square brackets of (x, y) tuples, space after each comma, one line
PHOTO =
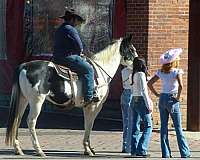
[(100, 68)]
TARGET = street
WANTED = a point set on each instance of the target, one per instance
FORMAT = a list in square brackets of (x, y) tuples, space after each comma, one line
[(67, 144)]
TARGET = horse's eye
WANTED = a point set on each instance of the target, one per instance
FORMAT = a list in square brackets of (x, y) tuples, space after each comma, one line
[(125, 58)]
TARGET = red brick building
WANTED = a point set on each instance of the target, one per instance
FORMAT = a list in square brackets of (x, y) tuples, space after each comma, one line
[(162, 24), (156, 25)]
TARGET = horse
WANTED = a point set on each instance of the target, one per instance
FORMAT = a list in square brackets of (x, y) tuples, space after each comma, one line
[(33, 83)]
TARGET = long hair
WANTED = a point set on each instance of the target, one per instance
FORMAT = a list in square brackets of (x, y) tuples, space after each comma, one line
[(138, 66), (166, 68)]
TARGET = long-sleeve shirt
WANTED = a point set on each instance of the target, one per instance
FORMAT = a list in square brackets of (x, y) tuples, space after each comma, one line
[(67, 41), (139, 87)]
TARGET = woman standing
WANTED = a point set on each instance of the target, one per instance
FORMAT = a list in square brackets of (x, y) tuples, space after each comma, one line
[(141, 109), (126, 97), (171, 78)]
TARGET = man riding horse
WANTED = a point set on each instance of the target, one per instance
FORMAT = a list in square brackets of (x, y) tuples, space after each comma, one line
[(68, 48)]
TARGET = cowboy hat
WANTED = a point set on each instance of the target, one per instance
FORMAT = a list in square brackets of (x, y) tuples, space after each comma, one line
[(72, 12), (170, 55)]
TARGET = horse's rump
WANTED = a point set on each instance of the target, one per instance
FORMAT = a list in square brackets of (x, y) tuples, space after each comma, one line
[(43, 77)]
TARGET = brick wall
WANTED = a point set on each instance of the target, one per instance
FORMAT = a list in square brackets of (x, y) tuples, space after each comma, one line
[(158, 25), (137, 24)]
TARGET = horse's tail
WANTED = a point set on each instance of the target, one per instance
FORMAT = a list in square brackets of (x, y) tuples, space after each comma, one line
[(13, 120)]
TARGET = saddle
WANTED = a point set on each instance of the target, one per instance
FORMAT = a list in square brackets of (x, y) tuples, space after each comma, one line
[(71, 76), (65, 72)]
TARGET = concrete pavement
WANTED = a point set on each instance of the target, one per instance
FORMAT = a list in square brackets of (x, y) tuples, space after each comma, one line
[(67, 144)]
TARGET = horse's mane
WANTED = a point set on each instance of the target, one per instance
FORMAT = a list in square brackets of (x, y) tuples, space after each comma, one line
[(107, 53)]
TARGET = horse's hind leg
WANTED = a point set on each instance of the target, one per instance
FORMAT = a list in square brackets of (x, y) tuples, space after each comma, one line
[(35, 109), (22, 106), (90, 113)]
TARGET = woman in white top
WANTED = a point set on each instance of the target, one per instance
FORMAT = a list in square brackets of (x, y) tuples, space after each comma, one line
[(141, 109), (171, 78), (126, 97)]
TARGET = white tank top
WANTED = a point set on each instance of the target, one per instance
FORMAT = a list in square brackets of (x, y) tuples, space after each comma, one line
[(126, 73)]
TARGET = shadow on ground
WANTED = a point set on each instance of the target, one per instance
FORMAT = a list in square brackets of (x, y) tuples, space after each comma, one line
[(50, 120), (52, 154)]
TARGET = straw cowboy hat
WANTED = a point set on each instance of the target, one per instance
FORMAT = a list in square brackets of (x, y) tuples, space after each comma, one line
[(170, 55), (72, 12)]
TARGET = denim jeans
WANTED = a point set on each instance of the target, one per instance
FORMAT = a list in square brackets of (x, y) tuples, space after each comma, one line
[(127, 119), (139, 144), (83, 69), (168, 105)]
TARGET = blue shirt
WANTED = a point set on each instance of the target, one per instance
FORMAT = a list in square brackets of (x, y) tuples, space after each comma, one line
[(67, 41)]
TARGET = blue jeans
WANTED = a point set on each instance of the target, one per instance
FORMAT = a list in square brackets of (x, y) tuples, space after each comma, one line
[(127, 119), (168, 105), (139, 144), (83, 69)]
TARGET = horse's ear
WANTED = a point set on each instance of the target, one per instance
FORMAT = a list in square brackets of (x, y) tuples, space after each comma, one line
[(130, 36)]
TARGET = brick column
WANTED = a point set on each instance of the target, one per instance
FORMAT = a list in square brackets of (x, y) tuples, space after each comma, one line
[(193, 123)]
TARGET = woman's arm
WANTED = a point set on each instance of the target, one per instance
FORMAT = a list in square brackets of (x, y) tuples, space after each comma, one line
[(144, 91), (150, 85), (180, 85)]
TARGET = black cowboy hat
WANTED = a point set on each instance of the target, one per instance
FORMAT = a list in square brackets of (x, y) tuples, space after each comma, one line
[(72, 12)]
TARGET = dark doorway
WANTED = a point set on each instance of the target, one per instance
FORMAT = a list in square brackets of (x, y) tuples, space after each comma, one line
[(193, 109)]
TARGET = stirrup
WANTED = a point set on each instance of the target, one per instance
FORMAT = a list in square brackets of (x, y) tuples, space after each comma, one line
[(95, 98)]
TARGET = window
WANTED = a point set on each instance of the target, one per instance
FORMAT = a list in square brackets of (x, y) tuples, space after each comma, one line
[(3, 29), (41, 20)]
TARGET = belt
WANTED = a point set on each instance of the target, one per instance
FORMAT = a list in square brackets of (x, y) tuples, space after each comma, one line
[(136, 98), (169, 94), (68, 54)]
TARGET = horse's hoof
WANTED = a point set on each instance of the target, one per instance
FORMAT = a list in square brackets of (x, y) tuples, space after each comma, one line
[(92, 153), (92, 150), (19, 153), (41, 154), (86, 153)]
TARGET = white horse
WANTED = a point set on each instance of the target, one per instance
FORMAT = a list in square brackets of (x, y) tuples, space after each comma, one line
[(35, 81)]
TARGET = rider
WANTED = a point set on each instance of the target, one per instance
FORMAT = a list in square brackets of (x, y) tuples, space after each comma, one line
[(68, 49)]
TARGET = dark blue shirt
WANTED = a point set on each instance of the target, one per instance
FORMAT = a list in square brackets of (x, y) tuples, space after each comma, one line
[(67, 41)]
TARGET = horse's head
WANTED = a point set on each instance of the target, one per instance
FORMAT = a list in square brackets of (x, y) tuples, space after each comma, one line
[(127, 51)]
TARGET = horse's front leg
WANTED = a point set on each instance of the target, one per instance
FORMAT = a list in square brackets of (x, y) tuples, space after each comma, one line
[(90, 113), (35, 108)]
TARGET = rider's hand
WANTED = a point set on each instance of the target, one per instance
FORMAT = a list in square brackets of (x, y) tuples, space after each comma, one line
[(82, 55), (88, 53), (150, 107)]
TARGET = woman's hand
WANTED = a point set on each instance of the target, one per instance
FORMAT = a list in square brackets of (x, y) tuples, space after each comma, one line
[(150, 107), (150, 83), (157, 94)]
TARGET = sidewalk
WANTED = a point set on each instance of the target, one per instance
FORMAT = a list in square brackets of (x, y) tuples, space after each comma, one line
[(67, 144)]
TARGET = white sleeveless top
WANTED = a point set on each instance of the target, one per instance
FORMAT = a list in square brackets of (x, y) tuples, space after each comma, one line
[(126, 73)]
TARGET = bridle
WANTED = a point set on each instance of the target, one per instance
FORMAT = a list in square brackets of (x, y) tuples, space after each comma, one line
[(130, 54)]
